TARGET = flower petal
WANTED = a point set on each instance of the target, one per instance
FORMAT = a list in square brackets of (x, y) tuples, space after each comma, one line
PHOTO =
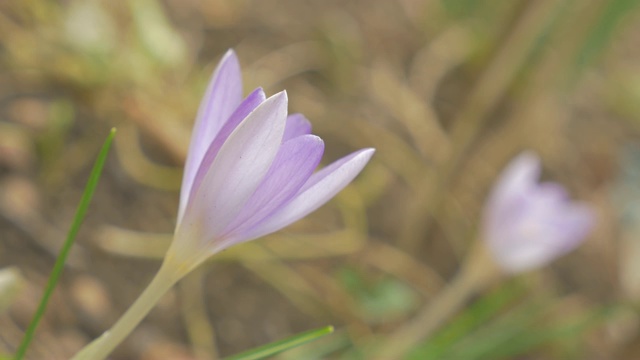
[(510, 195), (579, 219), (520, 175), (528, 224), (319, 189), (244, 109), (222, 97), (292, 167), (297, 125), (238, 169), (544, 239)]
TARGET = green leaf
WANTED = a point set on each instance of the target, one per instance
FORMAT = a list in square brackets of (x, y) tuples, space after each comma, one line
[(66, 247), (499, 333), (474, 317), (321, 349), (518, 329), (381, 299), (535, 337), (603, 30), (282, 345)]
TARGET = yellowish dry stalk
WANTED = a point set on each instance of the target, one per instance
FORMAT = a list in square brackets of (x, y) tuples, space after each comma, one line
[(490, 88)]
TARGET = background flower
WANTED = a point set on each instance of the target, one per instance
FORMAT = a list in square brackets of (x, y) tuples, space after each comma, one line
[(528, 224)]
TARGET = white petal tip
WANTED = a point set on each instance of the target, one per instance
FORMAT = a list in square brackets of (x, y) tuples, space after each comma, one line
[(229, 54), (282, 94), (367, 153), (277, 100), (528, 158), (229, 62), (313, 138)]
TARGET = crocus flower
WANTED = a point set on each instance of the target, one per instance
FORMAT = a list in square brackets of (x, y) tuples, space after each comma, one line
[(528, 224), (249, 172), (250, 169)]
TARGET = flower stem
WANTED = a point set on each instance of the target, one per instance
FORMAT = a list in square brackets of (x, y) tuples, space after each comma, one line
[(477, 272), (101, 347)]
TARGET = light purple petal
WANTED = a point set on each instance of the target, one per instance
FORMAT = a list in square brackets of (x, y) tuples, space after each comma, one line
[(533, 203), (528, 224), (319, 189), (244, 109), (517, 258), (222, 97), (511, 193), (297, 125), (565, 226), (239, 168), (542, 240), (292, 167), (579, 220), (517, 178)]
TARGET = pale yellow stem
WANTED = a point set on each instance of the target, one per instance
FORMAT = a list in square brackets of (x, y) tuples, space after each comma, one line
[(101, 347)]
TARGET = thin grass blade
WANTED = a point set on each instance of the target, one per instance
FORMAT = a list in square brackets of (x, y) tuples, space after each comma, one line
[(282, 345), (66, 247)]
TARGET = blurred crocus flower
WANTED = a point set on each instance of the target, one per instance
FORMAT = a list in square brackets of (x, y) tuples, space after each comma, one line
[(250, 169), (528, 224)]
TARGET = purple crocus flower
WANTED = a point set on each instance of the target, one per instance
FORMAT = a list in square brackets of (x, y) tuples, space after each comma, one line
[(528, 224), (249, 172), (250, 169)]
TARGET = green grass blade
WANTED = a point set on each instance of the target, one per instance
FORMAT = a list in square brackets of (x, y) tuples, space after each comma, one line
[(475, 316), (603, 30), (282, 345), (321, 349), (64, 252), (560, 334)]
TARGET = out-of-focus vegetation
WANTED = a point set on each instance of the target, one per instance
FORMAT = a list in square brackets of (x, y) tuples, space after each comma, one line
[(447, 91)]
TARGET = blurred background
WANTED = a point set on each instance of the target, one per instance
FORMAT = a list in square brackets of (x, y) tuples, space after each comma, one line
[(447, 91)]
